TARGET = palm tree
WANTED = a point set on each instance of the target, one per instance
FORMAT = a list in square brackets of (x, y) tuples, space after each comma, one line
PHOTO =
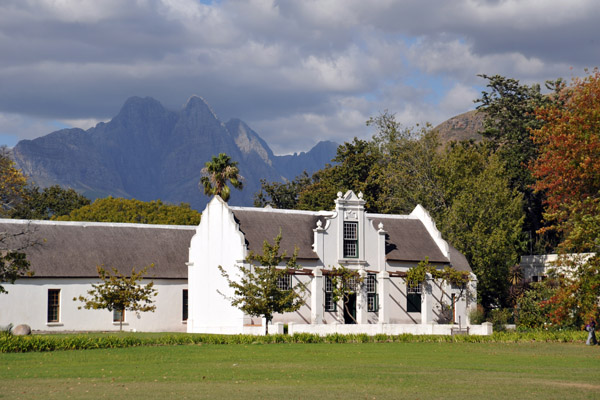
[(217, 172)]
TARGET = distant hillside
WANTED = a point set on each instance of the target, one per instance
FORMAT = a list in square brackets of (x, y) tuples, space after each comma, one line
[(462, 127), (148, 152)]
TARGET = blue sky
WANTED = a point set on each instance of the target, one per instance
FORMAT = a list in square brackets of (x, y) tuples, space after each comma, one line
[(296, 71)]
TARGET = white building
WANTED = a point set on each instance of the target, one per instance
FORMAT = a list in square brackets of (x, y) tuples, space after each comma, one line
[(64, 256), (382, 248)]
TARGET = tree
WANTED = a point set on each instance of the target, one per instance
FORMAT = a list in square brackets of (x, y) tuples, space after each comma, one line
[(282, 195), (264, 287), (568, 172), (13, 262), (345, 282), (483, 218), (120, 292), (13, 184), (355, 168), (509, 109), (53, 201), (112, 209), (217, 172)]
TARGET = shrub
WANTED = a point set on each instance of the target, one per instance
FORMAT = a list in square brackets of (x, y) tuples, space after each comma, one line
[(499, 318), (477, 315)]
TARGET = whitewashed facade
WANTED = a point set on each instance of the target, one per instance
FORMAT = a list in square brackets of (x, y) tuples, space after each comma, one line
[(64, 256), (380, 247)]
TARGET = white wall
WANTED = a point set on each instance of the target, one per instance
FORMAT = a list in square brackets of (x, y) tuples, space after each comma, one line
[(27, 303), (217, 241)]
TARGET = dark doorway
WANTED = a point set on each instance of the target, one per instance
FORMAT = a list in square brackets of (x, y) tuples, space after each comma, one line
[(350, 309)]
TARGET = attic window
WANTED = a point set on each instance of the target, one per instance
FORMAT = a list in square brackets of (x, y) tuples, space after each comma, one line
[(350, 239)]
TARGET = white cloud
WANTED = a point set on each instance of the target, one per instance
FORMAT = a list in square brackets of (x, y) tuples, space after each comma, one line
[(297, 72)]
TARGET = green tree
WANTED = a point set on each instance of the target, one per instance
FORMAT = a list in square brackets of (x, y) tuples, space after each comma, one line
[(13, 184), (217, 173), (112, 209), (483, 218), (262, 290), (13, 262), (282, 195), (355, 169), (53, 201), (509, 108), (120, 292)]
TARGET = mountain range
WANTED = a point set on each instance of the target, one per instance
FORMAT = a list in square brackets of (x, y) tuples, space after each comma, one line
[(148, 152)]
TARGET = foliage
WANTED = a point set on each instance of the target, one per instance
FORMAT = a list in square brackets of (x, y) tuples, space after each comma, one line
[(13, 261), (344, 283), (405, 174), (568, 171), (483, 217), (120, 292), (530, 311), (256, 292), (499, 317), (477, 315), (48, 203), (112, 209), (355, 168), (62, 342), (568, 168), (282, 195), (13, 184), (217, 172), (509, 109)]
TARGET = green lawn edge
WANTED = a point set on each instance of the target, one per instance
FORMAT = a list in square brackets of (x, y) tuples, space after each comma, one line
[(82, 341)]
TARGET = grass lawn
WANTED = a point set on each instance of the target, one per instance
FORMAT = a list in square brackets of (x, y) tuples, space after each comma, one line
[(304, 371)]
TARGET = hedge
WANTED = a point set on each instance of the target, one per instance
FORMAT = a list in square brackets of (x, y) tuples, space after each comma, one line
[(21, 344)]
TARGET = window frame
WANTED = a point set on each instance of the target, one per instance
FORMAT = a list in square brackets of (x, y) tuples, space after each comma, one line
[(412, 294), (53, 309), (115, 313), (329, 305), (284, 282), (372, 295), (350, 239), (184, 305)]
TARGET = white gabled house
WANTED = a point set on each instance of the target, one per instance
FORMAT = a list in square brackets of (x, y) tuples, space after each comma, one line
[(64, 256), (380, 247)]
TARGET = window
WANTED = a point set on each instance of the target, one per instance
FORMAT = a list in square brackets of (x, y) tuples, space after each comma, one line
[(53, 305), (118, 315), (350, 239), (284, 282), (329, 303), (372, 297), (413, 298), (184, 306)]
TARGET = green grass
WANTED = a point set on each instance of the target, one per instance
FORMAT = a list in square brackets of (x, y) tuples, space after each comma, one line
[(303, 371)]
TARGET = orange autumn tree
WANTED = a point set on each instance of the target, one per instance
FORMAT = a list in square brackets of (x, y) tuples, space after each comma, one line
[(568, 171)]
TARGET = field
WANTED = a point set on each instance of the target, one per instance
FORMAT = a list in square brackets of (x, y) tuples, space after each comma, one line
[(295, 371)]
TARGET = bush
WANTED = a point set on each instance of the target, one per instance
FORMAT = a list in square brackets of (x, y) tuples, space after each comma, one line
[(22, 344), (499, 318), (477, 316)]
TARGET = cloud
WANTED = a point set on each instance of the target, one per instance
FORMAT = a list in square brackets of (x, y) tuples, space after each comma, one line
[(296, 71)]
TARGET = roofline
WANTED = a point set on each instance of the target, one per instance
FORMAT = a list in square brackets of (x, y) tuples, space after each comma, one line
[(87, 223), (321, 213)]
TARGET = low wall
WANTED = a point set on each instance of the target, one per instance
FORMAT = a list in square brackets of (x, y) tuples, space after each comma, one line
[(387, 329)]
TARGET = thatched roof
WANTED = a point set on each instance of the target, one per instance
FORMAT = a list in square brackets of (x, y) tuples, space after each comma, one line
[(74, 249), (296, 229), (408, 240)]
